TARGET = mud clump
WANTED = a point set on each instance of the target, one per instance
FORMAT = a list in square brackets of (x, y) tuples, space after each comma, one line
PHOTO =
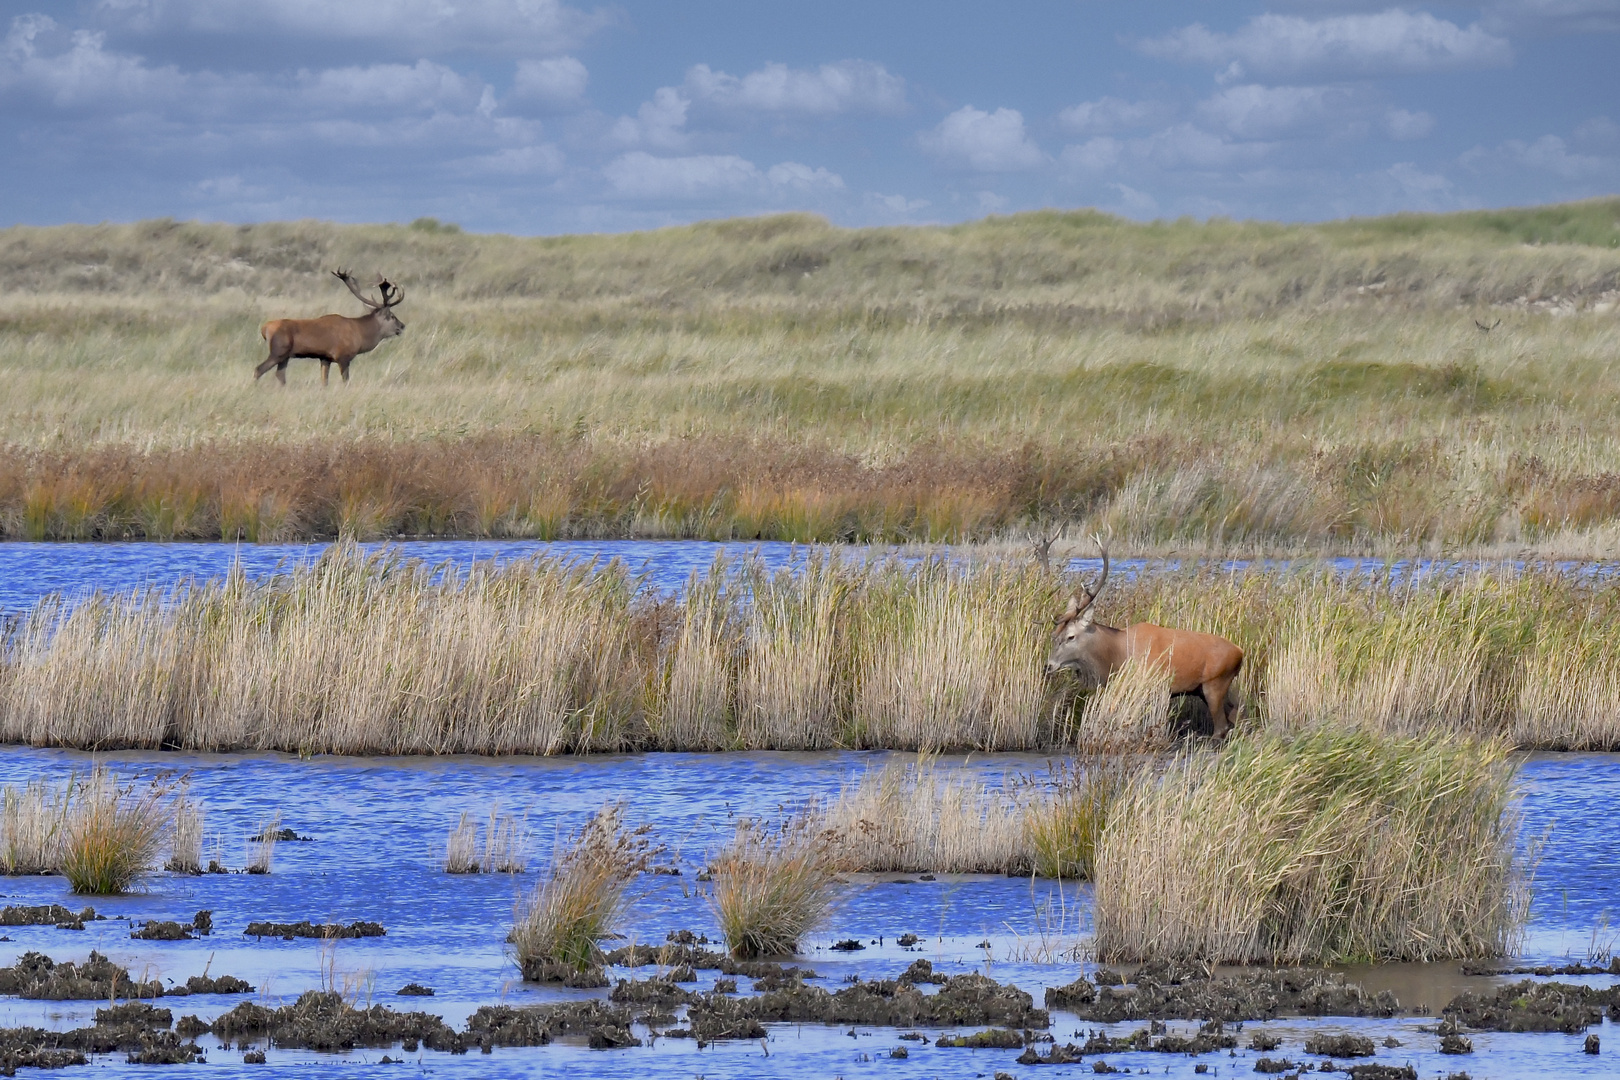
[(1613, 968), (306, 929), (137, 1029), (164, 1048), (47, 915), (1533, 1006), (1211, 1036), (714, 1017), (1339, 1046), (139, 1013), (962, 1001), (1066, 1054), (1456, 1044), (1169, 992), (37, 976), (1382, 1072), (280, 836), (1272, 1066), (611, 1038), (539, 1025), (657, 993), (994, 1039), (324, 1021), (204, 984), (575, 978), (414, 990), (1264, 1041), (201, 924)]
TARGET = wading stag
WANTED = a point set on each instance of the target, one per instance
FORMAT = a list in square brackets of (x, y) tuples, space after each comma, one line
[(1201, 663), (333, 339)]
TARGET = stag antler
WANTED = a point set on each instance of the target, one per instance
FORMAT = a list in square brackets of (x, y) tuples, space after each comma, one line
[(391, 294), (1091, 594), (1041, 543), (354, 287)]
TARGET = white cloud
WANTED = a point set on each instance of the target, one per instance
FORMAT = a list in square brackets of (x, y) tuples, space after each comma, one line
[(1392, 42), (1551, 17), (1548, 154), (409, 27), (1184, 146), (1135, 203), (1255, 112), (554, 82), (660, 122), (78, 73), (1094, 155), (849, 86), (541, 159), (642, 175), (1110, 114), (1404, 126), (896, 204), (791, 174), (1599, 133), (983, 141), (990, 202)]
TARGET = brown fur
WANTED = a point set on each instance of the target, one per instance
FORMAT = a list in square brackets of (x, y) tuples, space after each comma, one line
[(1194, 661), (332, 339)]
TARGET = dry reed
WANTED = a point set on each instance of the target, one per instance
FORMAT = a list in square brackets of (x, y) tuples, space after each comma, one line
[(261, 848), (912, 816), (1064, 826), (461, 850), (112, 832), (583, 895), (186, 838), (542, 656), (1326, 846), (31, 828), (772, 887)]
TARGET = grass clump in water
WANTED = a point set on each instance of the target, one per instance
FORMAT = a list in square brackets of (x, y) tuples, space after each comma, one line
[(771, 887), (1327, 846), (1062, 831), (112, 832), (30, 828), (186, 842), (583, 895)]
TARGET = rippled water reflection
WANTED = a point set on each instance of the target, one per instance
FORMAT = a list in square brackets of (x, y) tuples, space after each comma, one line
[(380, 826)]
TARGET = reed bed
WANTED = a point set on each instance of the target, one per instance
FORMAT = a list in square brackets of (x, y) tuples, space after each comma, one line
[(583, 895), (913, 816), (1188, 385), (504, 850), (31, 828), (540, 656), (772, 887), (186, 838), (1321, 846)]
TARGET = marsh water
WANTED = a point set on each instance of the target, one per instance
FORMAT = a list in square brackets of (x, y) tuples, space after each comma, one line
[(378, 828)]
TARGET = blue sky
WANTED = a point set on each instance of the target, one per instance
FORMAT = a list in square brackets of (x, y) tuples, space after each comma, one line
[(540, 116)]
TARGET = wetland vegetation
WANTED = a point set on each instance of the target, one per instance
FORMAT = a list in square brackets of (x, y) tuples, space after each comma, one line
[(1217, 385)]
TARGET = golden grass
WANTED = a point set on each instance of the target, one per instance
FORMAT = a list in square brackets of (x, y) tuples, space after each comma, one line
[(772, 887), (31, 827), (112, 832), (261, 846), (186, 838), (1064, 825), (913, 816), (1232, 386), (1326, 846), (539, 656), (581, 898)]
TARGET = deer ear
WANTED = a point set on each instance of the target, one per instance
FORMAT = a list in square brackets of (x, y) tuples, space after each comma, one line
[(1086, 618)]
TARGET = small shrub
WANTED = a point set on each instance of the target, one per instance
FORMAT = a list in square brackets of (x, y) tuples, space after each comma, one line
[(772, 888), (112, 832), (582, 896)]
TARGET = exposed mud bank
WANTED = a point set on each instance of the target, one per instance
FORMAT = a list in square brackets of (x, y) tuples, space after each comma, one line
[(37, 976), (1166, 990)]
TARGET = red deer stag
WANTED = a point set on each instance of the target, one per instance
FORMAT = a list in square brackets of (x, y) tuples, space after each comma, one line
[(1195, 662), (333, 339)]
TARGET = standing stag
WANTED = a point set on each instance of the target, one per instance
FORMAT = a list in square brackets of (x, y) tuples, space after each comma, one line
[(333, 339), (1195, 662)]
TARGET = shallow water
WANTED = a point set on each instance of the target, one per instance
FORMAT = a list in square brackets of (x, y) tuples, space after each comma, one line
[(29, 571), (380, 824)]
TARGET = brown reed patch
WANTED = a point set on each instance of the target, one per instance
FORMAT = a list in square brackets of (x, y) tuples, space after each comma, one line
[(772, 887)]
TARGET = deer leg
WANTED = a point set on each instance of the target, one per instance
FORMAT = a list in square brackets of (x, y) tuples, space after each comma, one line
[(264, 367), (326, 369), (343, 369), (281, 372), (1215, 694)]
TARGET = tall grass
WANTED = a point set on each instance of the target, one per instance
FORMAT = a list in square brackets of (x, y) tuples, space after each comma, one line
[(112, 832), (913, 816), (377, 654), (1190, 385), (583, 895), (186, 838), (772, 887), (1325, 846), (31, 827)]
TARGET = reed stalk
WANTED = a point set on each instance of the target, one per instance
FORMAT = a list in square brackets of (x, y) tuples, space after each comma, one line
[(772, 887), (584, 894)]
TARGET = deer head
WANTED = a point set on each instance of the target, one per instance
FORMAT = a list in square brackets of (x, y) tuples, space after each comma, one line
[(382, 309)]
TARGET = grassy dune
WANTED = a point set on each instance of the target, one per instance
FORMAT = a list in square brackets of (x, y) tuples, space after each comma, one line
[(538, 657), (1229, 385)]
